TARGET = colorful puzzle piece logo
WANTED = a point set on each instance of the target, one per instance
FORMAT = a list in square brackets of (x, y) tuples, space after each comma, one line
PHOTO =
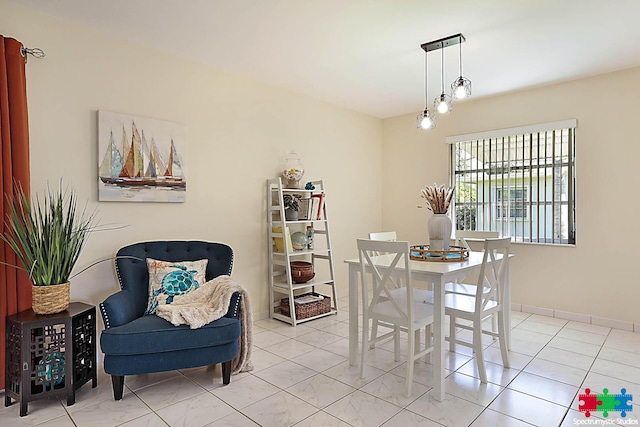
[(605, 402)]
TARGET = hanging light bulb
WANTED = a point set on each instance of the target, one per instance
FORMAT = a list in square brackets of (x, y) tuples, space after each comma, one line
[(425, 119), (442, 103), (461, 87)]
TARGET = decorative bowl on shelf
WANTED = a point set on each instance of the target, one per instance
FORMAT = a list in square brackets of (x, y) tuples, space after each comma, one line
[(299, 241), (301, 271)]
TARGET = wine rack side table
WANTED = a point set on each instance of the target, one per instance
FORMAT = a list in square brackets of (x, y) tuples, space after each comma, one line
[(50, 355)]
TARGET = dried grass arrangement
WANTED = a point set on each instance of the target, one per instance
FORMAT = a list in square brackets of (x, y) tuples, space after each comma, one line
[(438, 198)]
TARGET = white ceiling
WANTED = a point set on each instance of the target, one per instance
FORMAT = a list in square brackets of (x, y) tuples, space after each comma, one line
[(365, 54)]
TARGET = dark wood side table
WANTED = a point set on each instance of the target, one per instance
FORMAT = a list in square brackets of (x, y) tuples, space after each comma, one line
[(50, 355)]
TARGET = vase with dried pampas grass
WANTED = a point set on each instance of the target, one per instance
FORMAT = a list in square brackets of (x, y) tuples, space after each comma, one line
[(438, 199)]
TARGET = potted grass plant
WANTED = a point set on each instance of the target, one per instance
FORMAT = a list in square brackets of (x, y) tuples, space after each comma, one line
[(47, 234)]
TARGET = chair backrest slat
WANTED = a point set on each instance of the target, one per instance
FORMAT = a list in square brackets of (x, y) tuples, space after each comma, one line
[(493, 273)]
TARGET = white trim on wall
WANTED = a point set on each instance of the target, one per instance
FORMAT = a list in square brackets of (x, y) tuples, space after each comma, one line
[(540, 127)]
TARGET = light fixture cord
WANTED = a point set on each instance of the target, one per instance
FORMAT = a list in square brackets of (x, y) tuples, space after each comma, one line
[(442, 70), (460, 57), (426, 79)]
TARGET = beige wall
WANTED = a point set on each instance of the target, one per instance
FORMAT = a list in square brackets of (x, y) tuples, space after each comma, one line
[(239, 129), (597, 276), (237, 132)]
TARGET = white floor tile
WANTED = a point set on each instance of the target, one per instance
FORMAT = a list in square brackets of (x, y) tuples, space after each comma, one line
[(362, 410), (452, 411), (471, 389), (407, 418), (246, 391), (110, 413), (321, 419), (392, 388), (496, 419), (320, 390), (544, 388), (285, 374), (196, 411), (281, 409), (565, 357), (163, 394), (319, 360), (302, 377), (149, 420), (38, 412), (556, 371), (528, 408)]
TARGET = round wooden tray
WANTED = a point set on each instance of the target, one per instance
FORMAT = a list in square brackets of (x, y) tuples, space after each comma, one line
[(453, 254)]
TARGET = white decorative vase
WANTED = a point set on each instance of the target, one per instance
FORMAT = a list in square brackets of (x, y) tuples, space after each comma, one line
[(439, 232)]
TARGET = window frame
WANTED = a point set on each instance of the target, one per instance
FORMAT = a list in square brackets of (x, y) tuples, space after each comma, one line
[(492, 213)]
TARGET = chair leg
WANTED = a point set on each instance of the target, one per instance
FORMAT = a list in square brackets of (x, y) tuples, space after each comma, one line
[(428, 342), (452, 333), (374, 334), (118, 386), (226, 372), (365, 344), (477, 346), (396, 343), (503, 343), (411, 358)]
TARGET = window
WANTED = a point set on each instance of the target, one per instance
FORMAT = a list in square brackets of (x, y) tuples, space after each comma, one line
[(511, 205), (519, 182)]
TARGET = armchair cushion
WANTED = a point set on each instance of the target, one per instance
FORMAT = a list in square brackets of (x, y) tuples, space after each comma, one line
[(152, 334), (168, 279)]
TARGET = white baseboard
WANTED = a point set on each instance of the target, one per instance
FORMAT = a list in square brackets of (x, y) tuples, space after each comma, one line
[(577, 317)]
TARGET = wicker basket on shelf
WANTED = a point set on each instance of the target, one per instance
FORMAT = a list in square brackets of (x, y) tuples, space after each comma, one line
[(308, 309)]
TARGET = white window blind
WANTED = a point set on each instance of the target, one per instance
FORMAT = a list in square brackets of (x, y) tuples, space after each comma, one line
[(519, 182)]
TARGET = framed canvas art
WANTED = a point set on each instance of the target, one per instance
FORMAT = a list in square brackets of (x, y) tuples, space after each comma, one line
[(140, 159)]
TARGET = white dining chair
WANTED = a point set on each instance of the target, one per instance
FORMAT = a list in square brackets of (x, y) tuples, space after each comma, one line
[(419, 294), (487, 301), (468, 287), (393, 303)]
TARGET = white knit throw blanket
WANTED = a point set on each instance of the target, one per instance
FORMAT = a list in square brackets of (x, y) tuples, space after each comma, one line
[(208, 303)]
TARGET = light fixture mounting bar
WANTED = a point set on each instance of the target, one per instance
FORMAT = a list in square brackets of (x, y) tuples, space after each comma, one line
[(442, 43)]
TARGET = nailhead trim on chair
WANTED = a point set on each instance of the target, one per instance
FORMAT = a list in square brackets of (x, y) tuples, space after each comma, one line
[(105, 317)]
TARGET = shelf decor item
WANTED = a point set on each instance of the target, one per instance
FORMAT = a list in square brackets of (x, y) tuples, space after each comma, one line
[(299, 241), (292, 170), (47, 234), (306, 305), (438, 199), (291, 207), (302, 271)]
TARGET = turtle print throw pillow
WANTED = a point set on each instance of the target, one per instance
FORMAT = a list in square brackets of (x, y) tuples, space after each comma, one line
[(170, 279)]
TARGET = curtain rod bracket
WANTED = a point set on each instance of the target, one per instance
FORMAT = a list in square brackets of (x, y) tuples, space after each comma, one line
[(36, 52)]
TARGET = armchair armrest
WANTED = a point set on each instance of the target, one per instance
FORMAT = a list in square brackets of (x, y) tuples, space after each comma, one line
[(234, 306), (118, 309)]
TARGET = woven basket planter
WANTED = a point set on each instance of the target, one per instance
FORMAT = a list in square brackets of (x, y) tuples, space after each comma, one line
[(50, 299)]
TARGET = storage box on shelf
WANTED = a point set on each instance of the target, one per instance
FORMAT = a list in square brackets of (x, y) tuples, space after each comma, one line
[(288, 247)]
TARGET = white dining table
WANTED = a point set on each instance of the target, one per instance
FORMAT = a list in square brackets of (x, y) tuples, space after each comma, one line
[(437, 273)]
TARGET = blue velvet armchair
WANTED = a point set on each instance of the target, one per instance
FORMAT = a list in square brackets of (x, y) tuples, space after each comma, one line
[(135, 344)]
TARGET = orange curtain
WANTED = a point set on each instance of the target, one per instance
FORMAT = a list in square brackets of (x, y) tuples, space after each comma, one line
[(15, 286)]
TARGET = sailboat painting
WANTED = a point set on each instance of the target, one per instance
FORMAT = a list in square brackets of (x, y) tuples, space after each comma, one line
[(140, 159)]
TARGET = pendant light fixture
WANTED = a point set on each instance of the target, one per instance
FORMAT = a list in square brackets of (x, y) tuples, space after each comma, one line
[(426, 120), (461, 87)]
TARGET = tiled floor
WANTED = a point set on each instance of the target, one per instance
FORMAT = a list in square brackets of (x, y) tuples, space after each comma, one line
[(302, 378)]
